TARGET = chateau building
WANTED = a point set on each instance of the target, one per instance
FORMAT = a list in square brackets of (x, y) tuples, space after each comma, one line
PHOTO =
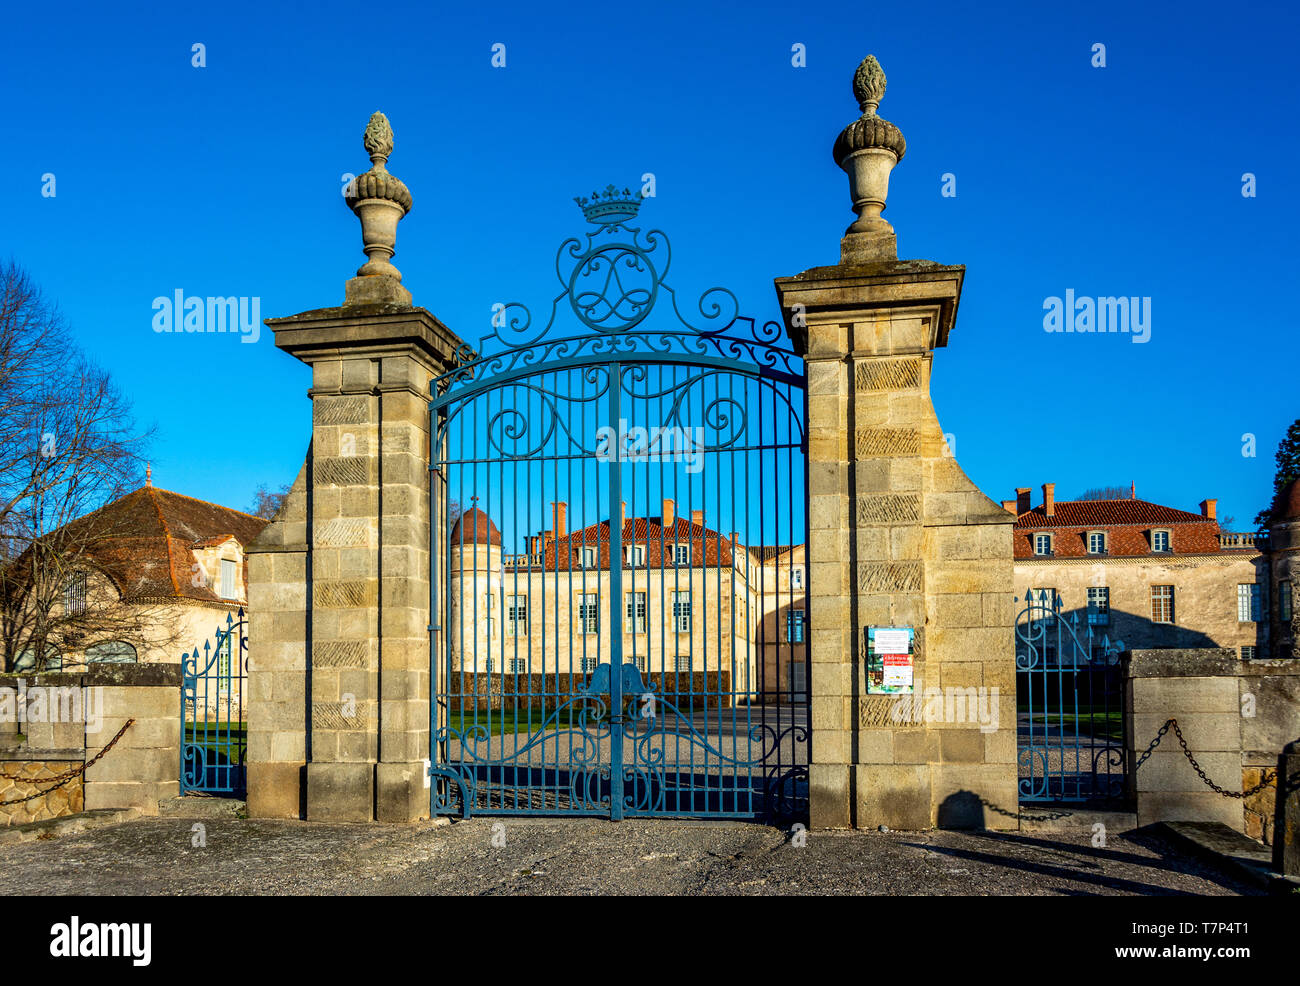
[(694, 600), (156, 573), (1142, 573)]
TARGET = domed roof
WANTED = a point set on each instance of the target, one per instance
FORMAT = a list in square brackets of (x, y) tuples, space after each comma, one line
[(475, 527)]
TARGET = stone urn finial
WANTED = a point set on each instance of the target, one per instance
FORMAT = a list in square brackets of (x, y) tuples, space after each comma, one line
[(379, 200), (867, 149)]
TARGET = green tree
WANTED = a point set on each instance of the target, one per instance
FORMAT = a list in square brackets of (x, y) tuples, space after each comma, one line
[(1288, 468)]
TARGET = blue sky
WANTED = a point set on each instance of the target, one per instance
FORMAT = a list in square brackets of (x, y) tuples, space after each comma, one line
[(1123, 180)]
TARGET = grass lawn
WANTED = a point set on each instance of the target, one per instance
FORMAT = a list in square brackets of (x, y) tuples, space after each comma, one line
[(504, 721), (222, 739), (1102, 724)]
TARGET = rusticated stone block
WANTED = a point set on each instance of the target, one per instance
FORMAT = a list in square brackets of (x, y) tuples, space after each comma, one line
[(903, 576), (339, 653), (889, 508), (887, 374), (343, 533), (344, 594), (888, 441), (352, 470), (341, 410)]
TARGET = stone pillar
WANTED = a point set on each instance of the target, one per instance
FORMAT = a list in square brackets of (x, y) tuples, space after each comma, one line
[(1201, 689), (899, 535), (1286, 838), (348, 688)]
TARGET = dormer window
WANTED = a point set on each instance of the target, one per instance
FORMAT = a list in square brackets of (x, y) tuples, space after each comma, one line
[(1096, 542), (1160, 541), (227, 578), (634, 555), (1042, 544)]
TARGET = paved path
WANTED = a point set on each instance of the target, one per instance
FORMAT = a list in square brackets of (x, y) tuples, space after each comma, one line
[(549, 856)]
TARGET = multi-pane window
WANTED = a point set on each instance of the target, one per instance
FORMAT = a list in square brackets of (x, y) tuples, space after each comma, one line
[(681, 662), (1097, 542), (1248, 653), (227, 578), (589, 615), (639, 661), (634, 612), (682, 612), (1284, 601), (1042, 544), (794, 626), (1160, 541), (1248, 602), (487, 665), (1098, 605), (74, 594), (490, 614), (682, 554), (798, 680), (1043, 601), (634, 555), (589, 664), (588, 557), (1162, 604), (796, 578), (517, 665), (516, 616)]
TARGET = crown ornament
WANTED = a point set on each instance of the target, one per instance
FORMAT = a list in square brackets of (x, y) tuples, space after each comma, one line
[(867, 149), (379, 200), (610, 207)]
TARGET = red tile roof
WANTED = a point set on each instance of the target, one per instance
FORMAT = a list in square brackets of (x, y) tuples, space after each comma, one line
[(1103, 513), (145, 541), (1126, 523)]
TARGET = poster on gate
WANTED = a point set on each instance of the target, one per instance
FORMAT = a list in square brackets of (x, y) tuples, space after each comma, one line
[(890, 660)]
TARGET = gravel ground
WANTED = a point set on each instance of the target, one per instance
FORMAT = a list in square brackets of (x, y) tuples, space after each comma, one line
[(564, 856)]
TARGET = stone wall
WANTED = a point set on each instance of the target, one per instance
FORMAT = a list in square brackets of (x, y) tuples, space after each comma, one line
[(1236, 718), (141, 769), (19, 779)]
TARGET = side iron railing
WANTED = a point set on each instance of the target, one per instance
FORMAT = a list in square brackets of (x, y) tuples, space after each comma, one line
[(1069, 705), (214, 735)]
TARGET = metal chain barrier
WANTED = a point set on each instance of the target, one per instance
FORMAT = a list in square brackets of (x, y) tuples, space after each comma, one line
[(1269, 776), (58, 780)]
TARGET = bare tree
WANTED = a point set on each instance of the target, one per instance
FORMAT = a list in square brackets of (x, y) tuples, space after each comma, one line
[(67, 447), (266, 504), (1105, 493)]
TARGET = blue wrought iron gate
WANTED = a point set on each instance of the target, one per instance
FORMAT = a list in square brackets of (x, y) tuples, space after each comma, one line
[(1069, 705), (619, 517), (214, 735)]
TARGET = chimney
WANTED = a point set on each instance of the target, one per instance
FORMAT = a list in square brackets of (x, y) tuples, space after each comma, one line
[(1009, 506), (735, 538), (1049, 499), (670, 513), (1208, 508), (560, 510), (1022, 500), (697, 517), (622, 512)]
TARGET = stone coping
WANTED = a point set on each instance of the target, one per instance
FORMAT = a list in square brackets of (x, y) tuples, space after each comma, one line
[(104, 675), (268, 549), (1185, 662)]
